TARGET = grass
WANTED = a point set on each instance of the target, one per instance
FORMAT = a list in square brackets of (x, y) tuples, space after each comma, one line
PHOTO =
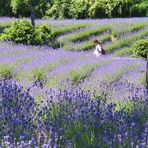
[(38, 74), (12, 53), (126, 41), (134, 27), (59, 31), (6, 71), (87, 45), (85, 34), (123, 52), (142, 79), (23, 61)]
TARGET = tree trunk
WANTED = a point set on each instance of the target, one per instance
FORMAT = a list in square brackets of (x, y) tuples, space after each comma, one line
[(32, 7), (147, 73)]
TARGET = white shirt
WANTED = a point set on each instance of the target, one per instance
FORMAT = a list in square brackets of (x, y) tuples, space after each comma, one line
[(97, 51)]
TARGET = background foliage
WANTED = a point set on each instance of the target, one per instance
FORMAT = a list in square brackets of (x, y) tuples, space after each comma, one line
[(23, 32), (79, 9)]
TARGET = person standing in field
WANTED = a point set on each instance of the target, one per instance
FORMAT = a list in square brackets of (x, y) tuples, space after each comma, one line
[(98, 48)]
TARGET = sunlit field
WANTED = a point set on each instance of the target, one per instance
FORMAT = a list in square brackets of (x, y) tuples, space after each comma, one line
[(64, 96)]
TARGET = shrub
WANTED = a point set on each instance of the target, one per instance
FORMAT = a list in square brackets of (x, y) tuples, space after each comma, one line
[(54, 43), (4, 26), (22, 31), (43, 34), (140, 48)]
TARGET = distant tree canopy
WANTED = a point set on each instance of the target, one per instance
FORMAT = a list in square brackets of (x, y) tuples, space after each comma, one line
[(78, 9)]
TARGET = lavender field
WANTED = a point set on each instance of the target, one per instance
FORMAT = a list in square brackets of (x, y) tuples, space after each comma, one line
[(67, 97)]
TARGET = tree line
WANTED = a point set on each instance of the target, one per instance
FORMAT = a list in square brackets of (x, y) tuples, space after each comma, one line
[(79, 9)]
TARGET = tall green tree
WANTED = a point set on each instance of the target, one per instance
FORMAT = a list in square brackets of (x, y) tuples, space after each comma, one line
[(27, 8), (24, 8), (33, 3), (58, 9), (97, 9), (140, 8), (20, 8), (74, 8), (33, 6), (79, 8), (42, 7)]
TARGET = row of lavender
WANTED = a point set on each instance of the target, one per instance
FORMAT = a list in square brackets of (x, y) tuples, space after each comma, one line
[(27, 64), (70, 118), (53, 67)]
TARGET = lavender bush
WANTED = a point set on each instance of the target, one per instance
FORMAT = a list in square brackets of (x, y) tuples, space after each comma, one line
[(17, 109), (70, 118)]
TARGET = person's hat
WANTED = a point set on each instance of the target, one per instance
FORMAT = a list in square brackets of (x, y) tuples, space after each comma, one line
[(97, 41)]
